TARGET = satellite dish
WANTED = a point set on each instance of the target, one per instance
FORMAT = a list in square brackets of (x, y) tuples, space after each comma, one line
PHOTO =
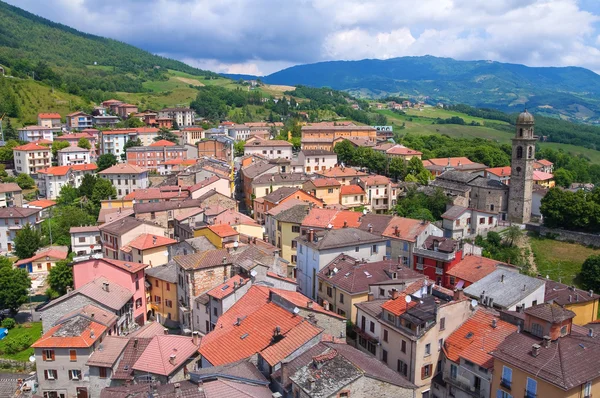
[(296, 310), (253, 273), (329, 226), (32, 358), (236, 244), (473, 303), (408, 299), (335, 270)]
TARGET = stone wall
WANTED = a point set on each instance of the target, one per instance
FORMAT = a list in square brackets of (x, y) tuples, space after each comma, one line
[(566, 236)]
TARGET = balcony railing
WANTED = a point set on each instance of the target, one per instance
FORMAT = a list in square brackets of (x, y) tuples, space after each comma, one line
[(465, 385), (530, 394), (434, 254), (505, 383), (439, 271), (419, 266)]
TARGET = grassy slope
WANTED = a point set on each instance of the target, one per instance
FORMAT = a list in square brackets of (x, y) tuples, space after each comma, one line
[(33, 330), (560, 260), (422, 124)]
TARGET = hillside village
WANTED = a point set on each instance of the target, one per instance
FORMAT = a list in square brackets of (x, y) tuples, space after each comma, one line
[(280, 272)]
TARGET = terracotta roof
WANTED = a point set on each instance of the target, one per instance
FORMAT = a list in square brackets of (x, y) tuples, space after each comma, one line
[(352, 190), (162, 143), (259, 143), (325, 182), (156, 193), (552, 313), (402, 150), (346, 219), (133, 350), (121, 225), (277, 178), (337, 172), (354, 276), (290, 342), (63, 170), (399, 305), (473, 268), (500, 171), (223, 230), (234, 389), (156, 357), (77, 113), (148, 241), (204, 183), (76, 332), (149, 330), (109, 215), (52, 253), (128, 266), (232, 217), (123, 168), (475, 339), (320, 218), (227, 287), (445, 161), (375, 180), (337, 127), (32, 146), (10, 187), (541, 176), (562, 294), (73, 149), (91, 228), (112, 347), (139, 130), (43, 203), (34, 128), (408, 229), (544, 162), (49, 115)]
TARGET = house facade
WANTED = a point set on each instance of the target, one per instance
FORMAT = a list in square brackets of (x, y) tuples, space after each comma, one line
[(36, 133), (52, 179), (73, 155), (14, 218), (126, 178), (32, 157)]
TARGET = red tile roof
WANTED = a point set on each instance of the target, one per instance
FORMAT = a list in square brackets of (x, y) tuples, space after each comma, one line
[(123, 168), (33, 146), (444, 161), (541, 176), (76, 332), (476, 338), (544, 162), (204, 183), (473, 268), (63, 170), (51, 253), (375, 180), (352, 190), (337, 172), (399, 305), (147, 241), (227, 287), (49, 115), (325, 182), (291, 341), (131, 131), (232, 217), (43, 203), (124, 265), (320, 218), (156, 193), (156, 357), (162, 143), (408, 229), (402, 150), (346, 218), (500, 171), (223, 230)]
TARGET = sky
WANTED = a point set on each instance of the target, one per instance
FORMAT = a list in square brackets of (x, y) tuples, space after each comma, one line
[(263, 36)]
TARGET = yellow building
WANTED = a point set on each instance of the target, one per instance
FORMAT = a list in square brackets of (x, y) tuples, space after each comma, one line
[(287, 228), (220, 235), (254, 230), (322, 136), (345, 282), (548, 358), (161, 294), (326, 189), (148, 249), (583, 304)]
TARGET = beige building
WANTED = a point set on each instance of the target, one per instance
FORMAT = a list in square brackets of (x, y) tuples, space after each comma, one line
[(11, 195), (148, 249), (32, 157), (117, 234), (326, 189), (287, 229), (352, 196)]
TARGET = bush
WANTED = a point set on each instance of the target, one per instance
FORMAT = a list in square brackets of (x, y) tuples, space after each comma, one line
[(9, 323), (16, 345)]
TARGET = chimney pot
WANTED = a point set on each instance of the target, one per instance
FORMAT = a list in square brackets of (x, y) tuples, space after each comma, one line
[(547, 341), (590, 332), (196, 338), (165, 331), (370, 296), (172, 358), (535, 350), (458, 294), (394, 294), (494, 323)]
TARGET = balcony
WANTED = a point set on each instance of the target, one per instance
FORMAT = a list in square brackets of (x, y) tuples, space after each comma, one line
[(434, 254), (439, 271), (465, 385), (419, 266), (505, 383)]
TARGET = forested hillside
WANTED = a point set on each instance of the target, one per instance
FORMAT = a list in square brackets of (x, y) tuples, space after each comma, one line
[(77, 62)]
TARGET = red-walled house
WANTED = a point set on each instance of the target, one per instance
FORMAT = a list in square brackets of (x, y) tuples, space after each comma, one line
[(436, 257)]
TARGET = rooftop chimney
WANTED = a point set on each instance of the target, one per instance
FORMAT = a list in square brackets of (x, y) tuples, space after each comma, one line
[(196, 338), (172, 358), (502, 278), (396, 231), (590, 332), (535, 350), (224, 259), (394, 293), (494, 323), (309, 304), (591, 292), (370, 228), (458, 294), (165, 331), (311, 235), (345, 224), (370, 296), (154, 240), (106, 286), (547, 341), (135, 343)]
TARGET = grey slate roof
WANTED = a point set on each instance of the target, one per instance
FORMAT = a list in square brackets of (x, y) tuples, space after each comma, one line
[(378, 222), (257, 169), (276, 178), (200, 243), (294, 215), (166, 272), (507, 291), (373, 307), (141, 208), (115, 298), (483, 182), (342, 237), (280, 194), (454, 212), (121, 225)]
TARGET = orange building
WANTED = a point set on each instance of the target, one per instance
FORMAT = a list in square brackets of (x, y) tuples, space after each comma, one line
[(323, 137)]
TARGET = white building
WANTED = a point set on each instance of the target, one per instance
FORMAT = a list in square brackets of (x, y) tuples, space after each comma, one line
[(239, 132), (316, 160), (184, 117), (51, 180), (113, 141), (316, 249), (126, 178), (269, 149), (461, 222), (50, 120), (32, 157), (36, 133), (85, 240), (12, 221), (73, 155), (380, 195)]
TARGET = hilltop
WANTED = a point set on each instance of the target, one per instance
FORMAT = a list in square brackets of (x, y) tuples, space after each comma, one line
[(566, 92)]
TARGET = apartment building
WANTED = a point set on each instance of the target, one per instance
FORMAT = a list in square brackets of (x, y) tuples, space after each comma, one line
[(326, 189), (191, 135), (73, 155), (32, 157), (125, 110), (36, 133), (117, 234), (12, 220), (86, 240), (79, 121), (184, 117), (406, 235), (315, 160), (322, 137), (92, 135), (11, 195), (352, 196), (216, 148), (151, 157), (269, 149), (49, 120), (42, 261), (162, 293), (113, 141), (345, 175), (126, 178), (52, 179), (380, 194), (435, 257), (148, 249)]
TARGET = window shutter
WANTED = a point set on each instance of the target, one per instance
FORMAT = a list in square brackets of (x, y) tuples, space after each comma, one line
[(45, 374), (422, 372), (44, 355), (55, 373), (52, 354)]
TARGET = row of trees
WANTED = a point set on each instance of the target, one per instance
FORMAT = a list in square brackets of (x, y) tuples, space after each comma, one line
[(578, 211)]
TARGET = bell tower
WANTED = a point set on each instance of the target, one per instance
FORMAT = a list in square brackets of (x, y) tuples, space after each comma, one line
[(521, 178)]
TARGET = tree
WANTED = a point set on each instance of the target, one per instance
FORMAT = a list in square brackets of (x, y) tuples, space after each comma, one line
[(130, 144), (238, 148), (57, 146), (27, 241), (166, 134), (84, 143), (60, 277), (105, 161), (397, 168), (14, 285), (103, 189), (6, 152), (563, 177), (133, 122), (86, 188), (25, 181), (68, 195), (345, 151), (10, 133), (590, 273), (513, 234), (62, 220)]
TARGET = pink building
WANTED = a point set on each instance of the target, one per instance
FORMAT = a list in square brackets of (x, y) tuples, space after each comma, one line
[(126, 274)]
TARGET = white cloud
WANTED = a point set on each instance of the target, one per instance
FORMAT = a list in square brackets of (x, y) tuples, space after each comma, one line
[(242, 36)]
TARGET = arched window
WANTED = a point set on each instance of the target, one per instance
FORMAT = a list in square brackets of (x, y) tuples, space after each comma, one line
[(519, 152), (530, 152), (521, 132)]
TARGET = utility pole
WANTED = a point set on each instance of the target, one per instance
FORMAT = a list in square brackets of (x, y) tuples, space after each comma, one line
[(2, 131)]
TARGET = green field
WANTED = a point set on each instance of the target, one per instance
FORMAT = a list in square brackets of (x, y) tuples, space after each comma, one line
[(32, 331), (560, 260)]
